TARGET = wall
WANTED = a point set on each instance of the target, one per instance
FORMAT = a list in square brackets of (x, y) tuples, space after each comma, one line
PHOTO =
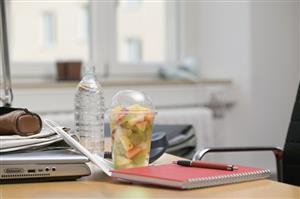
[(255, 44), (275, 50), (223, 39)]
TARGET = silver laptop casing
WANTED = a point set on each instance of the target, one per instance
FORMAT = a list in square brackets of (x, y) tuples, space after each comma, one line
[(42, 166)]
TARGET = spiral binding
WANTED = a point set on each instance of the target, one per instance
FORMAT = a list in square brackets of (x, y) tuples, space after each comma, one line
[(226, 179)]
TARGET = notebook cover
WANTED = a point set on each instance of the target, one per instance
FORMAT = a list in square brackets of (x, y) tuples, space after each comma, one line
[(189, 177)]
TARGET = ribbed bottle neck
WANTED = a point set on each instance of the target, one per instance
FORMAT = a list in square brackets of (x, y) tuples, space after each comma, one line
[(89, 70)]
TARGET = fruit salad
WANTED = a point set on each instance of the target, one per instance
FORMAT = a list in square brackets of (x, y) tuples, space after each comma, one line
[(131, 129)]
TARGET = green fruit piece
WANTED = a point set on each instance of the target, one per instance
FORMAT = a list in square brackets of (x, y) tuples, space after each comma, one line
[(135, 138), (126, 142), (121, 162), (136, 119), (140, 158), (144, 135), (127, 118), (121, 134), (118, 148), (128, 132), (141, 126)]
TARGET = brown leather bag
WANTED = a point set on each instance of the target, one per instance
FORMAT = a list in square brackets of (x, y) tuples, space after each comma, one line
[(19, 121)]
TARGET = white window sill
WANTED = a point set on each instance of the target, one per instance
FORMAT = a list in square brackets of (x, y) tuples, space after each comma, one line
[(115, 82)]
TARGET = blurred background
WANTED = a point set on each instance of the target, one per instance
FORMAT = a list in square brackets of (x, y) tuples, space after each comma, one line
[(229, 68)]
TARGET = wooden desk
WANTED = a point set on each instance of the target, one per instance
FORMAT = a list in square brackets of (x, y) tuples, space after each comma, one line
[(100, 186)]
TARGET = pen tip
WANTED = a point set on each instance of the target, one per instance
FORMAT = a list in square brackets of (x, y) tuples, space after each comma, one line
[(174, 162), (235, 168)]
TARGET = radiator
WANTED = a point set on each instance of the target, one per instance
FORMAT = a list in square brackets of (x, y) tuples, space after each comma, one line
[(200, 117)]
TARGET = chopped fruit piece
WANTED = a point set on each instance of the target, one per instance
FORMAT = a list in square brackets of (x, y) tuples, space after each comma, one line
[(149, 117), (127, 117), (138, 118), (139, 159), (128, 132), (136, 138), (113, 132), (123, 138), (126, 142), (141, 126), (122, 161), (143, 145), (131, 153), (120, 117)]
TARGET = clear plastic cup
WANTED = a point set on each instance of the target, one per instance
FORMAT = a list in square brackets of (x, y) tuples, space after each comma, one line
[(131, 120)]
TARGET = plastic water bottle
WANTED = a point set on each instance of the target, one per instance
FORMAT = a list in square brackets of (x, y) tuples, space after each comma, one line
[(89, 112)]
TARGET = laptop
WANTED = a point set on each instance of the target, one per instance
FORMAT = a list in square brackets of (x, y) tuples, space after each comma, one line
[(50, 165)]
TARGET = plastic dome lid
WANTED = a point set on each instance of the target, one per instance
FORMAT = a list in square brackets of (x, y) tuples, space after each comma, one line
[(133, 101)]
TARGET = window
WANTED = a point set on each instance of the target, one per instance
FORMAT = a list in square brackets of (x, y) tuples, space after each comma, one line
[(133, 51), (147, 22), (127, 36), (83, 26), (44, 32), (48, 29), (135, 37)]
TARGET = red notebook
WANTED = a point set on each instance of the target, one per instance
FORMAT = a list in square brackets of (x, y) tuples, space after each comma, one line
[(173, 175)]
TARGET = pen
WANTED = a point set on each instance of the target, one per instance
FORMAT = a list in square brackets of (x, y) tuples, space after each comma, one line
[(202, 164)]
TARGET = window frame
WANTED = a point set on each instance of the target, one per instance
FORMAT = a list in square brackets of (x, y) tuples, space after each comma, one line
[(104, 56), (102, 45)]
